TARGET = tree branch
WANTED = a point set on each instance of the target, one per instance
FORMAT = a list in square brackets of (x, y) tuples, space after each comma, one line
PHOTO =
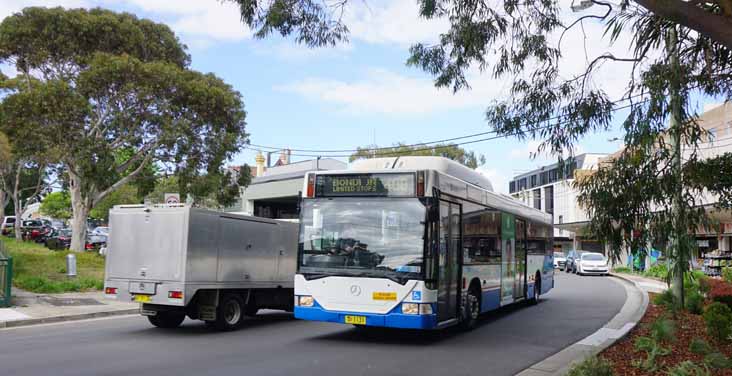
[(714, 26), (100, 196), (579, 20)]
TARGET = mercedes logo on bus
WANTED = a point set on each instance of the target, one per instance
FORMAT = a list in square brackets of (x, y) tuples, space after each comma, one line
[(355, 290)]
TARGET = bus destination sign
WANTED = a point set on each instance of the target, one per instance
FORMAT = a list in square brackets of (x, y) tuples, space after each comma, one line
[(389, 185)]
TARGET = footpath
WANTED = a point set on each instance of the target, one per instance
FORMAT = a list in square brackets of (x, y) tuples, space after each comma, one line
[(31, 308), (636, 303)]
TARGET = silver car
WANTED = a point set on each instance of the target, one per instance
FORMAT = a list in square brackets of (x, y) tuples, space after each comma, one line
[(592, 263)]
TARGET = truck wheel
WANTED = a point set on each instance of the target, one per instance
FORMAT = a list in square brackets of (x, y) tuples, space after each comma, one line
[(230, 312), (167, 320)]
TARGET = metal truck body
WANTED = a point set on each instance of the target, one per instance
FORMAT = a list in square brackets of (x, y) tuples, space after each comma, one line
[(177, 260)]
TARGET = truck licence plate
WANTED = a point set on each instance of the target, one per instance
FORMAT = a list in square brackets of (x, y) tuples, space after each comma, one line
[(142, 298), (355, 320)]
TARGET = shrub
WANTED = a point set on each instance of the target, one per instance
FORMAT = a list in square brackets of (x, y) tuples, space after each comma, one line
[(622, 269), (721, 291), (700, 346), (718, 318), (688, 368), (694, 303), (667, 300), (705, 285), (716, 360), (663, 329), (593, 366), (727, 275), (657, 271)]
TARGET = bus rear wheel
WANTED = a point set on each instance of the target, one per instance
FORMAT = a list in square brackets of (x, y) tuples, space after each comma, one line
[(471, 309), (537, 290)]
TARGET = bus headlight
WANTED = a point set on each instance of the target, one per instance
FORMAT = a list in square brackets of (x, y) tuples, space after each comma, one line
[(410, 308), (425, 309), (305, 301)]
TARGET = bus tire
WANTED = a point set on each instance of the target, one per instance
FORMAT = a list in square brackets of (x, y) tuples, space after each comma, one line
[(167, 320), (230, 312), (471, 309), (537, 290)]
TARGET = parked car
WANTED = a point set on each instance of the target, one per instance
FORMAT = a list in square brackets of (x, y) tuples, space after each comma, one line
[(572, 256), (559, 260), (7, 226), (32, 229), (45, 233), (94, 242), (60, 239), (591, 263), (101, 230)]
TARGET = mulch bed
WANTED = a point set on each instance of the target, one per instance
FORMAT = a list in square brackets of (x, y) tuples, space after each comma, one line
[(688, 326)]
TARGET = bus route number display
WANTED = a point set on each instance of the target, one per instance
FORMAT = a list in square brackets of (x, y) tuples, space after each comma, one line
[(365, 185)]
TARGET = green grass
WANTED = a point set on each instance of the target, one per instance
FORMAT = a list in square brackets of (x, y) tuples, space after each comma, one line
[(38, 269)]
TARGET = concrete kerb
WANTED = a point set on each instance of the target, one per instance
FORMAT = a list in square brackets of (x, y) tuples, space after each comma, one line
[(630, 314), (56, 319)]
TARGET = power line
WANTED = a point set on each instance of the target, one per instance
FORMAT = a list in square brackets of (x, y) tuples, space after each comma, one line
[(435, 147), (275, 148)]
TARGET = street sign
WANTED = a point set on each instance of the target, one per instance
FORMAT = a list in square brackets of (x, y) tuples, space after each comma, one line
[(172, 198)]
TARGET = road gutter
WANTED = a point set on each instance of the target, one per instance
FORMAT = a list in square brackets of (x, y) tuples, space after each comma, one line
[(76, 317), (630, 314)]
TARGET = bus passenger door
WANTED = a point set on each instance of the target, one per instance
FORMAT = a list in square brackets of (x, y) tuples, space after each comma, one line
[(519, 290), (448, 261)]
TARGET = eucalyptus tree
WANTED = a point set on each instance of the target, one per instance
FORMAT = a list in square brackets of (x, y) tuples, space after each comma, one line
[(679, 49), (101, 84)]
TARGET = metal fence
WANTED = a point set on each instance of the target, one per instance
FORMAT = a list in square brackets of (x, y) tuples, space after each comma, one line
[(6, 276)]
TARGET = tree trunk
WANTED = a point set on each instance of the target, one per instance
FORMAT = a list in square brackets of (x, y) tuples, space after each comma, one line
[(18, 220), (80, 207), (3, 202), (679, 230)]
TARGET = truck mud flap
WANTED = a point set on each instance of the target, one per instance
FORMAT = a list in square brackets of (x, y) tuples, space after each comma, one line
[(207, 312)]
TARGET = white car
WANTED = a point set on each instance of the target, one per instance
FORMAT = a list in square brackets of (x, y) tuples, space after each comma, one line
[(559, 260), (592, 263), (101, 230)]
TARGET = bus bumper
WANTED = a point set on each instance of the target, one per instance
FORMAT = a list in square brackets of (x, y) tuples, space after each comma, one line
[(390, 320)]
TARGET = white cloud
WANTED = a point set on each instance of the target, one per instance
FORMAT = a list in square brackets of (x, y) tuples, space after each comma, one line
[(499, 179), (384, 91), (199, 22), (202, 22), (391, 22), (8, 7)]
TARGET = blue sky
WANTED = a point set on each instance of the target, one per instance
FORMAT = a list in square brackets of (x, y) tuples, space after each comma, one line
[(354, 94)]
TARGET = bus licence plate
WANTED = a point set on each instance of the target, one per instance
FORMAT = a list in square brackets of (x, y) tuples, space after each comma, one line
[(356, 320), (142, 298)]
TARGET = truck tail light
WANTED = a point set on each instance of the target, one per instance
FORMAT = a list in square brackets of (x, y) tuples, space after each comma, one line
[(311, 186), (110, 290), (175, 294), (89, 246), (420, 183)]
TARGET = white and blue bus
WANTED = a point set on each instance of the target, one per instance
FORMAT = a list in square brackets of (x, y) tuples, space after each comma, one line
[(415, 242)]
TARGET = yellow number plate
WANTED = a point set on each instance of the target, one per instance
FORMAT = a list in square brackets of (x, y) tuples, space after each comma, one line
[(384, 296), (356, 320), (142, 298)]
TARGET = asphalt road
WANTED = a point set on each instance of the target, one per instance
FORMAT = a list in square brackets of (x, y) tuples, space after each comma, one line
[(505, 343)]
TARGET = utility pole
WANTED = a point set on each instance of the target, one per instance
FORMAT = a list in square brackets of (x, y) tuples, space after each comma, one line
[(679, 228)]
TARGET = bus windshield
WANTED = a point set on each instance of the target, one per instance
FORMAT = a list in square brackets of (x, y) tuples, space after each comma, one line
[(380, 237)]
